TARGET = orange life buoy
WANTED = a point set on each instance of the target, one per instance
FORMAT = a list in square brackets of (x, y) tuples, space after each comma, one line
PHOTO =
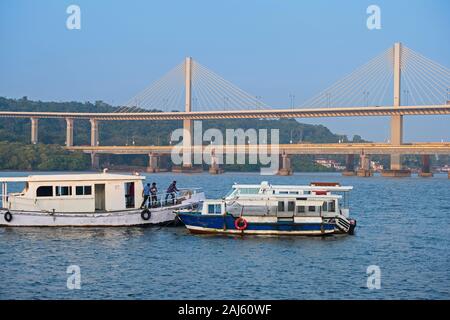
[(240, 223)]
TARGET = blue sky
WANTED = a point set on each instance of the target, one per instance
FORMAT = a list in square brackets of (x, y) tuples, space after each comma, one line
[(268, 48)]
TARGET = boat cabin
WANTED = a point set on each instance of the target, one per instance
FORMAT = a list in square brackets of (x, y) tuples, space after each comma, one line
[(317, 199), (283, 208), (75, 193)]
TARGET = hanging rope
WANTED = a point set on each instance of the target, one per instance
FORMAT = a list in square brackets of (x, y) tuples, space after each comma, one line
[(427, 81), (363, 84), (422, 80), (210, 92)]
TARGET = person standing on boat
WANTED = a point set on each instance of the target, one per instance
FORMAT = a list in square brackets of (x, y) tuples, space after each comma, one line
[(146, 195), (153, 192), (171, 191)]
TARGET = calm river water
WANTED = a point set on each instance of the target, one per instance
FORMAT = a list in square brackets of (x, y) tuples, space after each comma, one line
[(403, 228)]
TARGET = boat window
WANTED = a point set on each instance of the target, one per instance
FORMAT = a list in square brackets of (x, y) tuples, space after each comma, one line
[(83, 190), (63, 191), (283, 192), (44, 191), (331, 206), (280, 205), (300, 209), (306, 192), (312, 209), (346, 196), (249, 191), (214, 209), (325, 206), (293, 192), (291, 206)]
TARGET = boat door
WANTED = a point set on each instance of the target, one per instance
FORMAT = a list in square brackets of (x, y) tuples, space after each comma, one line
[(129, 194), (99, 190)]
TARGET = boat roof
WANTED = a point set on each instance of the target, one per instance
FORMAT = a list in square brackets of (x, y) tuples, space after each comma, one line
[(73, 177), (266, 185)]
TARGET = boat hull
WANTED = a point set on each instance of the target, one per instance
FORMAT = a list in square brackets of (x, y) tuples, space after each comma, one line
[(121, 218), (110, 219), (225, 224)]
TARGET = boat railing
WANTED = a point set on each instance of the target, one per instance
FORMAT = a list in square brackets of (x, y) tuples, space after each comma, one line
[(3, 199), (171, 198)]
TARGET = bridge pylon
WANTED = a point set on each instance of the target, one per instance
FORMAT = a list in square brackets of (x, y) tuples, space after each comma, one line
[(397, 120), (187, 123), (34, 130)]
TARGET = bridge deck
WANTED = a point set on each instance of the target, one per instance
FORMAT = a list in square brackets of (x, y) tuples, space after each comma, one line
[(240, 114), (290, 149)]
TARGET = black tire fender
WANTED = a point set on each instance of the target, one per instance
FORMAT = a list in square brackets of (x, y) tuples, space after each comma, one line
[(8, 216), (146, 214)]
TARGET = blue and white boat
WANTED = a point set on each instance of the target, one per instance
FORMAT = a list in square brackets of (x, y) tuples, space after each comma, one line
[(265, 209)]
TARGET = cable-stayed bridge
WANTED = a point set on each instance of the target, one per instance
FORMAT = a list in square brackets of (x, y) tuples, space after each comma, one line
[(396, 83)]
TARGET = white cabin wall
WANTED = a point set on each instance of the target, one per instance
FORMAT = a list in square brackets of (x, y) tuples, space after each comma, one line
[(114, 197), (72, 203), (66, 204)]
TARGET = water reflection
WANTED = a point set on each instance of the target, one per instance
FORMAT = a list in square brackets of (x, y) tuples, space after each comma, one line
[(110, 236)]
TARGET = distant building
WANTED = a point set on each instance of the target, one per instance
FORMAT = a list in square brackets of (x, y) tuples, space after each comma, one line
[(376, 166), (330, 163)]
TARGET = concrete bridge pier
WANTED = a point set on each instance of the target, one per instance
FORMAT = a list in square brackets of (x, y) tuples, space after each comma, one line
[(95, 160), (153, 163), (187, 145), (69, 132), (364, 166), (426, 168), (34, 130), (349, 165), (396, 170), (285, 168), (214, 168), (94, 132)]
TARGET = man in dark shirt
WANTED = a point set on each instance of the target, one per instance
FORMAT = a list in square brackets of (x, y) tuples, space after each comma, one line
[(153, 192), (145, 194), (171, 191)]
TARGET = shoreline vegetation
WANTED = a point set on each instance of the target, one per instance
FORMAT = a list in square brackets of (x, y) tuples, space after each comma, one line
[(16, 152), (40, 157)]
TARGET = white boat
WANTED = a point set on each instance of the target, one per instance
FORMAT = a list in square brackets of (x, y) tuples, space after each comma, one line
[(86, 200), (265, 209)]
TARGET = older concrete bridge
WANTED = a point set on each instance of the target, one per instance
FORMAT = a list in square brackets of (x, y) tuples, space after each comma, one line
[(427, 85), (363, 150)]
